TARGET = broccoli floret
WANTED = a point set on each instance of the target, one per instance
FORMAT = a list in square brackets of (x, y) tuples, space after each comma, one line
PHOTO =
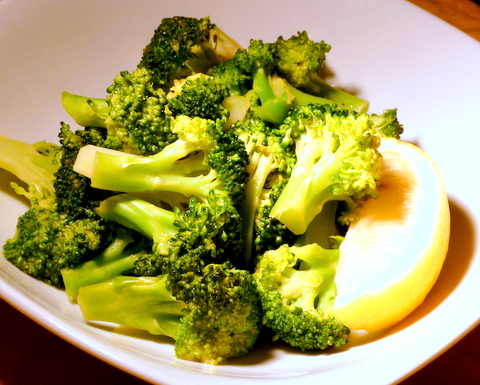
[(297, 291), (47, 238), (34, 164), (337, 159), (300, 61), (387, 124), (46, 241), (220, 320), (74, 195), (270, 159), (205, 157), (211, 228), (195, 294), (117, 259), (198, 95), (183, 46), (250, 70), (133, 114)]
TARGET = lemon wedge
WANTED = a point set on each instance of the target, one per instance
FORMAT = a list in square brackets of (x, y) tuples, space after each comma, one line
[(393, 254)]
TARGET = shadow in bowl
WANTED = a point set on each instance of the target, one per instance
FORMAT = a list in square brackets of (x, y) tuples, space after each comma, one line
[(459, 257)]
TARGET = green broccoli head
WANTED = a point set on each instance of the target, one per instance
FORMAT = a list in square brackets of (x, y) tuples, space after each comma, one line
[(299, 57), (215, 317), (183, 46), (133, 113), (48, 237), (74, 194), (297, 292), (337, 159), (387, 124), (46, 241), (269, 233), (198, 95)]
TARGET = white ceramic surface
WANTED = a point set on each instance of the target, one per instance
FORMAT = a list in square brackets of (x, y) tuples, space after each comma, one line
[(390, 52)]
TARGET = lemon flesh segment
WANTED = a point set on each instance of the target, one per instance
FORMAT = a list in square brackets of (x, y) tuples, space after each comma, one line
[(393, 254)]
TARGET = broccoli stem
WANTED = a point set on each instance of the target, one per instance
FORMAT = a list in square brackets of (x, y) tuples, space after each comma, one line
[(115, 260), (302, 98), (253, 190), (156, 173), (146, 218), (140, 302), (322, 227), (319, 87), (273, 109), (87, 112)]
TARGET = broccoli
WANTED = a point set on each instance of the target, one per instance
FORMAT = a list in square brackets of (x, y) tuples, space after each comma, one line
[(297, 293), (300, 61), (133, 114), (270, 159), (46, 239), (270, 233), (205, 157), (198, 95), (212, 229), (186, 284), (183, 46), (34, 164), (117, 259), (337, 159), (248, 74), (297, 288), (74, 195), (218, 318), (387, 124)]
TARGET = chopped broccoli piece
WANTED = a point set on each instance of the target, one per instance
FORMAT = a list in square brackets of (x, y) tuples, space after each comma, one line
[(133, 114), (198, 95), (212, 229), (117, 259), (205, 157), (74, 195), (337, 159), (47, 238), (183, 46), (250, 70), (297, 291), (387, 124), (221, 318), (300, 61), (34, 164), (269, 159)]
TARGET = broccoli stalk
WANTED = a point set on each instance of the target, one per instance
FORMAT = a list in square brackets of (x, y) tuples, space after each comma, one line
[(273, 108), (205, 157), (117, 259), (337, 159), (140, 302), (213, 319), (133, 113), (87, 112), (300, 61)]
